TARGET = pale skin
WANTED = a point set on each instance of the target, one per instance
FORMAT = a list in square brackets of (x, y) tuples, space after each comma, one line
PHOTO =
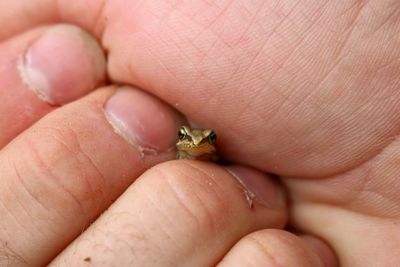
[(306, 90)]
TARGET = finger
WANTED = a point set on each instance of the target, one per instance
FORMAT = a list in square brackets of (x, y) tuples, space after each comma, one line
[(279, 248), (19, 15), (57, 176), (43, 68), (179, 213)]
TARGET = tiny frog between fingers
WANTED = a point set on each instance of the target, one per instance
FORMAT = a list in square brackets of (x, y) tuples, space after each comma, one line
[(200, 145), (196, 144)]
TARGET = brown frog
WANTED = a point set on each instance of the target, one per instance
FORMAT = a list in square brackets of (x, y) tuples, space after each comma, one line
[(196, 144)]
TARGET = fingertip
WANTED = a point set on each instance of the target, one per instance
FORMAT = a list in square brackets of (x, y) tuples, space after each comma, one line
[(63, 64), (259, 187), (43, 68), (143, 121)]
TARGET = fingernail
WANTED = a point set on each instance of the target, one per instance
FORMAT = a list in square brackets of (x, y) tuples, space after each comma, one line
[(62, 65), (258, 187), (142, 120)]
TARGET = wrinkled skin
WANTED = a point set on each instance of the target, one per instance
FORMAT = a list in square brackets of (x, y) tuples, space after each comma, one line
[(306, 90)]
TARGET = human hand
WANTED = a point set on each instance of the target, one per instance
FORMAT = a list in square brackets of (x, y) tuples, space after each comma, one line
[(63, 162), (302, 90)]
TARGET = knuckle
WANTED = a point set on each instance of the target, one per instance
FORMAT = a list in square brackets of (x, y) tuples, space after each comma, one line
[(59, 166), (195, 192), (9, 257)]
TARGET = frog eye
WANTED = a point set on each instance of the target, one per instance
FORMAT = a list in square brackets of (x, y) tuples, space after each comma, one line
[(181, 133), (212, 137)]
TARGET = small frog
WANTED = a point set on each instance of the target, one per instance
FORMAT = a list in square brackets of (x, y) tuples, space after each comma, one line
[(200, 145), (196, 144)]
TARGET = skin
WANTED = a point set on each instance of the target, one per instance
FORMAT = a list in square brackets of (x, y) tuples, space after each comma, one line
[(306, 90)]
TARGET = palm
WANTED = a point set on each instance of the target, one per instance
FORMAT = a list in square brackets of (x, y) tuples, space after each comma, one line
[(302, 90)]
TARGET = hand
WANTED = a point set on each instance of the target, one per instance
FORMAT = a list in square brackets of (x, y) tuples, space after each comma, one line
[(307, 91)]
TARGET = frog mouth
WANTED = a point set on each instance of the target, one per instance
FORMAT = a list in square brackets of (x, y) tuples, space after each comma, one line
[(201, 149)]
